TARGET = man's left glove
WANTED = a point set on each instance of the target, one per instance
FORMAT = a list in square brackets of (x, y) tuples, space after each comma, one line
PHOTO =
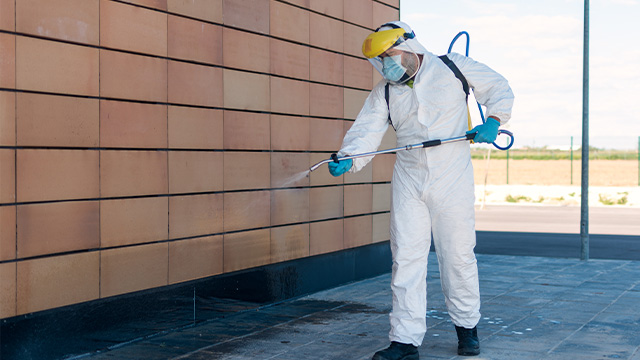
[(487, 132), (341, 167)]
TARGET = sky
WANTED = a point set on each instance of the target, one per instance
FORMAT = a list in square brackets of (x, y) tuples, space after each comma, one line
[(538, 46)]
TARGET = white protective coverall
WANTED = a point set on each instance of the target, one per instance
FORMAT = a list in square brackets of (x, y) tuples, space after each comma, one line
[(432, 188)]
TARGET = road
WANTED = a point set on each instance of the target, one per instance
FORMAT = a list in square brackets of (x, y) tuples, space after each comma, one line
[(554, 231)]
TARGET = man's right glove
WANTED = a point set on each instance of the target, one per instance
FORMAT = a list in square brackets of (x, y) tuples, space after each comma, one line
[(487, 132), (341, 167)]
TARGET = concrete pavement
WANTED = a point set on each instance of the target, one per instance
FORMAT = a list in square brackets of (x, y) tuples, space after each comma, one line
[(611, 220), (532, 308)]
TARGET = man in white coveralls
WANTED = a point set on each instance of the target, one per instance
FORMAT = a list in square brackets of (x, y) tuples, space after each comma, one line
[(432, 188)]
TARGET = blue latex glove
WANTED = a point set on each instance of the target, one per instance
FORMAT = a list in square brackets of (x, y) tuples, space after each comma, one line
[(341, 167), (487, 132)]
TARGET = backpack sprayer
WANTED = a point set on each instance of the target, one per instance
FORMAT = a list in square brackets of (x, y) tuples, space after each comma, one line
[(507, 132), (334, 157)]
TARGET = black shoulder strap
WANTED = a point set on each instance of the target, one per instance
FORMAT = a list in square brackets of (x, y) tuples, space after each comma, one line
[(386, 97), (456, 72)]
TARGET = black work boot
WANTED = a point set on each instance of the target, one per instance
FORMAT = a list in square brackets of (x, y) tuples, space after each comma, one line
[(397, 351), (468, 343)]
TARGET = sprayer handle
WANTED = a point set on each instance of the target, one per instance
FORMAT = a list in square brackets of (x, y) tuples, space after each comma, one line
[(431, 143), (334, 157)]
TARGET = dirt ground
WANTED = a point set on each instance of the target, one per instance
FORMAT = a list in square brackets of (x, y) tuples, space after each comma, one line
[(555, 172)]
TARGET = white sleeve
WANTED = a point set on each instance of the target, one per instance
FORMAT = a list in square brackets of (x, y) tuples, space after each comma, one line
[(367, 131), (490, 88)]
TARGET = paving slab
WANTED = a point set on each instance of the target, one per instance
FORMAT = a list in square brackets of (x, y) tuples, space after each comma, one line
[(533, 308)]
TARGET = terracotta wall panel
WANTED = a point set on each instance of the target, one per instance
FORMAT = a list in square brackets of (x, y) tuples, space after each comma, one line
[(46, 120), (326, 66), (383, 167), (154, 4), (246, 249), (289, 242), (357, 73), (57, 227), (246, 131), (195, 128), (358, 199), (7, 118), (56, 174), (8, 61), (194, 40), (362, 176), (302, 3), (195, 215), (359, 12), (56, 67), (289, 59), (195, 84), (247, 15), (7, 290), (246, 210), (132, 125), (381, 227), (381, 197), (289, 96), (393, 3), (353, 38), (133, 221), (326, 100), (7, 15), (70, 20), (289, 169), (353, 102), (246, 170), (133, 77), (7, 233), (128, 173), (289, 22), (389, 140), (246, 91), (209, 10), (7, 176), (133, 268), (357, 231), (325, 134), (326, 33), (383, 14), (289, 133), (377, 77), (326, 236), (195, 171), (57, 281), (334, 8), (326, 202), (195, 258), (132, 28), (289, 206), (246, 51)]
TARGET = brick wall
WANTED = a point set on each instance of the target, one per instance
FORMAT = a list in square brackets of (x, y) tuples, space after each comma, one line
[(146, 143)]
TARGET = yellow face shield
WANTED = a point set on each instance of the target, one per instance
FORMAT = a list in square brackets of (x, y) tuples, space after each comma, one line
[(378, 42)]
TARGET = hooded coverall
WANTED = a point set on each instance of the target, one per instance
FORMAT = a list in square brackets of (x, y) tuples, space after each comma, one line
[(432, 188)]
